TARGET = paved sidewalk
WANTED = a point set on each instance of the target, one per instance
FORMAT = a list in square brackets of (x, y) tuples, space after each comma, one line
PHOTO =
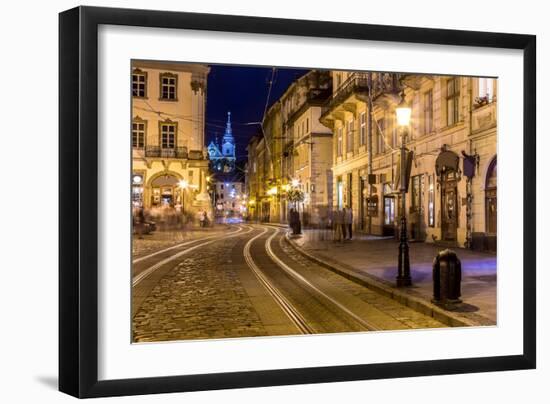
[(372, 261)]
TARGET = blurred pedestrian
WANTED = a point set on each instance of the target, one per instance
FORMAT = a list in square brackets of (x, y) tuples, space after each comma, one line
[(338, 225), (203, 218), (348, 222), (140, 222)]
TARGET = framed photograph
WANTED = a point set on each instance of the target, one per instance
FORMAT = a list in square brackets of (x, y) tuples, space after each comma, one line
[(251, 202)]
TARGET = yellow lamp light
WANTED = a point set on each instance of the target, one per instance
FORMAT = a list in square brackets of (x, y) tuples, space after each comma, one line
[(403, 112)]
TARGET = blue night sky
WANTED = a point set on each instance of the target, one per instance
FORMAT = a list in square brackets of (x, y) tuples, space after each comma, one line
[(243, 91)]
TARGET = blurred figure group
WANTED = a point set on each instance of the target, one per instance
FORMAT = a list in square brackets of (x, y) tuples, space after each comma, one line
[(342, 224)]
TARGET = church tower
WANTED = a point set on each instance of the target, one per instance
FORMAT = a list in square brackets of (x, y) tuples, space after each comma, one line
[(222, 156), (228, 142)]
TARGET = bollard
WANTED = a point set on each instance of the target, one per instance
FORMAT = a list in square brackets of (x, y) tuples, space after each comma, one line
[(447, 275)]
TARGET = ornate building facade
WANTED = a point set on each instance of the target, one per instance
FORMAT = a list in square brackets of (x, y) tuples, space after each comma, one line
[(169, 161), (453, 138), (294, 150)]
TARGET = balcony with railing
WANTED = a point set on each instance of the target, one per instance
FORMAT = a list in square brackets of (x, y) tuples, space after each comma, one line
[(313, 97), (358, 84), (161, 152)]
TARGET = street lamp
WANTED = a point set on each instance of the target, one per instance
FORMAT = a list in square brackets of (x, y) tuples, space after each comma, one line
[(403, 112)]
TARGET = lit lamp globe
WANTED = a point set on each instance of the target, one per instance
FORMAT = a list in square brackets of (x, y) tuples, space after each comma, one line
[(403, 112), (183, 184)]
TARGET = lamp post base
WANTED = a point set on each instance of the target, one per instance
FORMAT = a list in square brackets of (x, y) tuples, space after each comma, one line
[(401, 282), (403, 266)]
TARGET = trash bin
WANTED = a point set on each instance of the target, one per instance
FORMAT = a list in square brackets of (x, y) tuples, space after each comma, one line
[(447, 276)]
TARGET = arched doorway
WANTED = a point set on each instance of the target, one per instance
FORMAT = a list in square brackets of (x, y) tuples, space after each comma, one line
[(491, 199), (165, 190)]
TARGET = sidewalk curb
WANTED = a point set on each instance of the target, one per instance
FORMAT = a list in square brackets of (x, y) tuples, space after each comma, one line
[(418, 304)]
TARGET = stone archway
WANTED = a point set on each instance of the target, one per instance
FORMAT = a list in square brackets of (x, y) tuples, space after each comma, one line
[(163, 189)]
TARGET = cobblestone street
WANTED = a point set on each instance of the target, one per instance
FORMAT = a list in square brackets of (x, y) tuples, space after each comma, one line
[(248, 282), (202, 297)]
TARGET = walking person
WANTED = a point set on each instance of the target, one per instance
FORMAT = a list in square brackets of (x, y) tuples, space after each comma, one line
[(298, 222), (291, 221), (348, 222), (343, 225), (202, 218), (338, 225), (140, 221)]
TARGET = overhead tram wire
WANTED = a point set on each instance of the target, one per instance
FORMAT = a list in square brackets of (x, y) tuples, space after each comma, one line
[(273, 70), (184, 118)]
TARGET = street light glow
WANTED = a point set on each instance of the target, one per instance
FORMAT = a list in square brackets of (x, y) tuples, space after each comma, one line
[(295, 182), (403, 112), (183, 184)]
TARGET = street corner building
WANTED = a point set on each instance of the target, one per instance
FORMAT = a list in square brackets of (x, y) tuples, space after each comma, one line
[(334, 136), (169, 160)]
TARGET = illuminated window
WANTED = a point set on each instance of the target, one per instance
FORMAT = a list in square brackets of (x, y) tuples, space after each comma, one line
[(416, 193), (339, 142), (363, 133), (486, 89)]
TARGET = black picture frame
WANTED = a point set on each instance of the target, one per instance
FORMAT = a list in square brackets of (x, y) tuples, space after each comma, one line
[(78, 201)]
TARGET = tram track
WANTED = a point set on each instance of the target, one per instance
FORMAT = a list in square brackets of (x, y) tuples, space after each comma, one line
[(196, 244), (301, 279), (286, 306), (271, 270), (179, 245)]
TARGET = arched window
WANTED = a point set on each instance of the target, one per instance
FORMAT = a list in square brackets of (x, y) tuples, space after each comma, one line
[(491, 198)]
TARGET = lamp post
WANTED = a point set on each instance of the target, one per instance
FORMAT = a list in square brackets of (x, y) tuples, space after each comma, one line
[(403, 112)]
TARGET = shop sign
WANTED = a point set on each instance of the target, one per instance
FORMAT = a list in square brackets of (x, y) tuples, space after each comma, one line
[(372, 206)]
